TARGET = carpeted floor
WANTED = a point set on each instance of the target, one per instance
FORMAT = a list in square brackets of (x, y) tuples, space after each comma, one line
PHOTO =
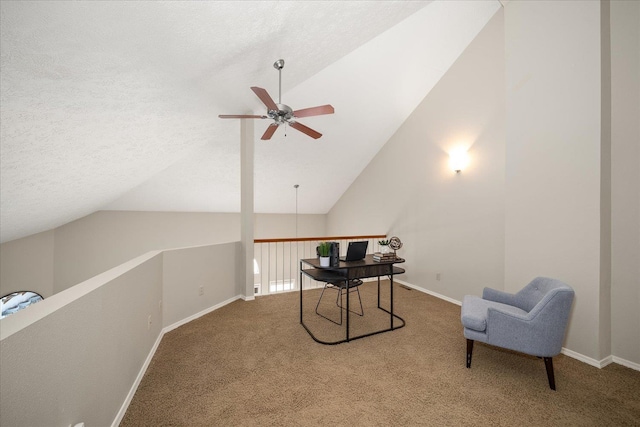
[(252, 363)]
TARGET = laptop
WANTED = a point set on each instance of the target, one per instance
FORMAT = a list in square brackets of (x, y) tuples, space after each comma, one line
[(356, 251)]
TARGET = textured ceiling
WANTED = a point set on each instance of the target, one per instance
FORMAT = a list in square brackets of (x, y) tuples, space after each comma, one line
[(113, 105)]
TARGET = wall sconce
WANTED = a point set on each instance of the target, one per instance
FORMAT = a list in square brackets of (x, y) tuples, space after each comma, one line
[(458, 160)]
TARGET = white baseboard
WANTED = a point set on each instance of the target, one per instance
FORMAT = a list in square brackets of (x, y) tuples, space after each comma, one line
[(601, 363), (136, 383), (627, 363), (585, 359), (199, 314), (426, 291), (145, 365)]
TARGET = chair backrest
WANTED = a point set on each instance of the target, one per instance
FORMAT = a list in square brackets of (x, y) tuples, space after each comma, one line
[(539, 288), (548, 302)]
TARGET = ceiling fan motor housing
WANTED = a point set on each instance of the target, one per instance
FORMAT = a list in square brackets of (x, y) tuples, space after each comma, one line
[(282, 115)]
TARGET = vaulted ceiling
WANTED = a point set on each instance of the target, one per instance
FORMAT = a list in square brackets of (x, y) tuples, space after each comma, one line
[(114, 105)]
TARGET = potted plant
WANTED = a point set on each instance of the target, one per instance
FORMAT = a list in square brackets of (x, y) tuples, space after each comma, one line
[(324, 250), (384, 246)]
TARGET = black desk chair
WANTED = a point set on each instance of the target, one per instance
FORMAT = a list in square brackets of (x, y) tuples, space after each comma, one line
[(341, 287)]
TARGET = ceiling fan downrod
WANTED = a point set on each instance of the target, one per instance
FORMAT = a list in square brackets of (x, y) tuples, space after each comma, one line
[(279, 65)]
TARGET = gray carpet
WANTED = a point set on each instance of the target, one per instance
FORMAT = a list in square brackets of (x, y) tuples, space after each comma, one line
[(252, 363)]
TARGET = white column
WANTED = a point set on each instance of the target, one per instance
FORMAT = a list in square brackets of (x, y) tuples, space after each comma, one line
[(246, 205)]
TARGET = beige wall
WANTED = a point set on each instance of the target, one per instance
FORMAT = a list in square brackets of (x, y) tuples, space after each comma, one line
[(273, 226), (185, 273), (27, 265), (105, 239), (452, 224), (541, 196), (80, 350), (78, 355), (57, 259), (553, 153), (625, 176)]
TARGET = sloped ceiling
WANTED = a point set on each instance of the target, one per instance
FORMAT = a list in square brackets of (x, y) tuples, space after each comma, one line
[(113, 105)]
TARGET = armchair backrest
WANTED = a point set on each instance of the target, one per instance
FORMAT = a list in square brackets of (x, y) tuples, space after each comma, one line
[(538, 289), (548, 302)]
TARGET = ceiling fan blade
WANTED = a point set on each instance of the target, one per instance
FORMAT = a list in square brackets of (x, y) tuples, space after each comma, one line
[(304, 129), (240, 116), (314, 111), (264, 97), (269, 132)]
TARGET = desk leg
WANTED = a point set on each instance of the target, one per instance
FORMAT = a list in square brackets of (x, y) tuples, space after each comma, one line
[(346, 282), (391, 299), (300, 284), (378, 291)]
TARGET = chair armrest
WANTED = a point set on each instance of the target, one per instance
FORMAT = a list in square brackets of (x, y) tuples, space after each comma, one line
[(498, 296), (526, 333)]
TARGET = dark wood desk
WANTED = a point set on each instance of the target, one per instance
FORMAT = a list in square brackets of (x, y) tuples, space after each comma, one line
[(346, 271)]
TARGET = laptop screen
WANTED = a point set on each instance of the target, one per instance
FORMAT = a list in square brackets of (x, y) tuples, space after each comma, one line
[(356, 251)]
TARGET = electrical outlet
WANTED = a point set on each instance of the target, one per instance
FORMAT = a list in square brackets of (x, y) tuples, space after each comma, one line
[(149, 322), (438, 276), (201, 290)]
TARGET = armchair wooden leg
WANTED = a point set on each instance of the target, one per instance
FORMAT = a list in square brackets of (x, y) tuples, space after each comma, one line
[(548, 363), (469, 352)]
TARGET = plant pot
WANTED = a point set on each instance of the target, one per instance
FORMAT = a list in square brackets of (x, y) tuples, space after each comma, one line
[(384, 249), (325, 261)]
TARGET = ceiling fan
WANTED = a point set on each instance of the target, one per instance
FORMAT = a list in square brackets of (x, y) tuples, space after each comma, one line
[(281, 113)]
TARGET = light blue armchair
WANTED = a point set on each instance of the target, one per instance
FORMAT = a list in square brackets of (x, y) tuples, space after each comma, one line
[(532, 321)]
